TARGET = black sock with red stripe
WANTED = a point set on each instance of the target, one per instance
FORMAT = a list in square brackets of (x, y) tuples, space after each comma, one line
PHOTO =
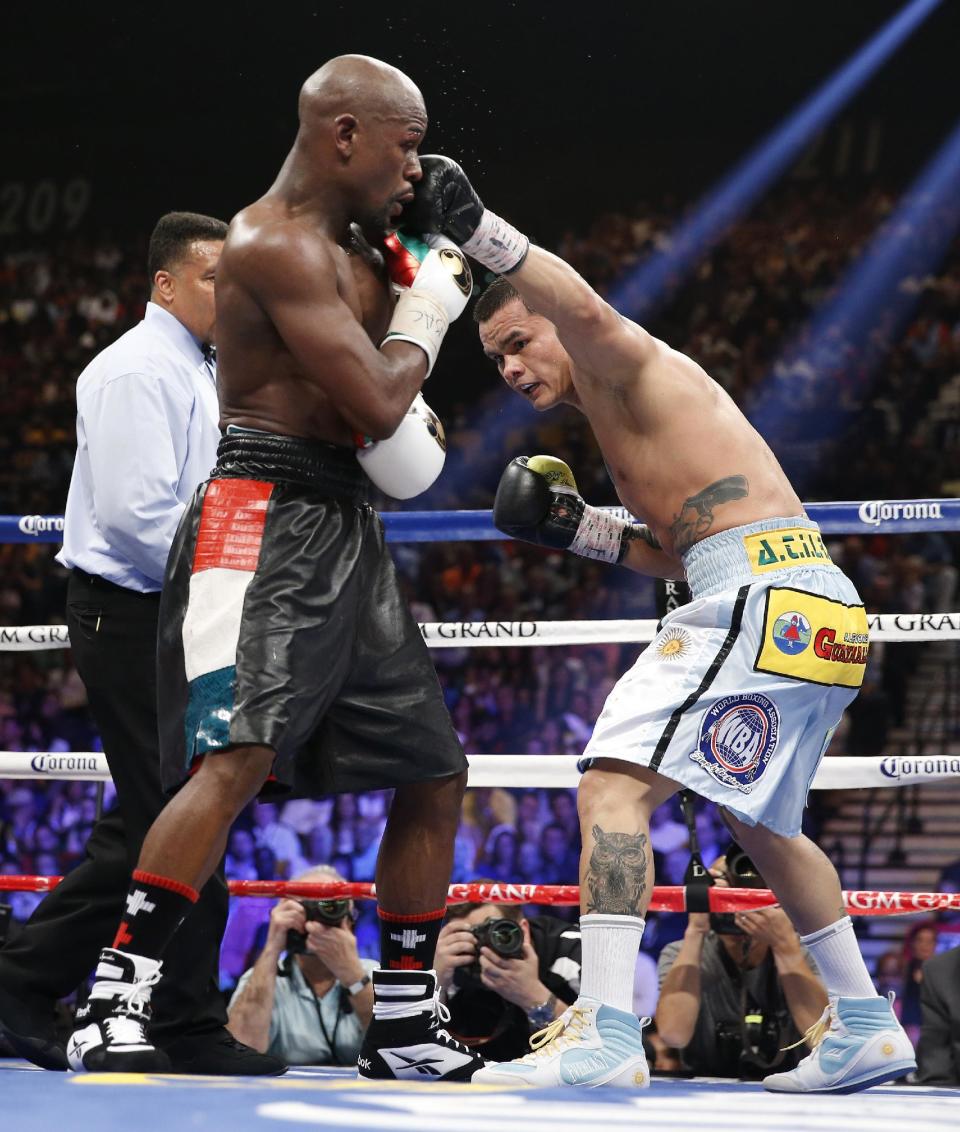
[(156, 907), (407, 943)]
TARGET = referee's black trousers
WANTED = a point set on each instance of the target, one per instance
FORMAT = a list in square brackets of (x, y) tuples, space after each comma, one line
[(113, 634)]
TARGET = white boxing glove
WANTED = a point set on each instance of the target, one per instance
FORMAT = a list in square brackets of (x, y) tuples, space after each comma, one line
[(437, 284), (408, 462)]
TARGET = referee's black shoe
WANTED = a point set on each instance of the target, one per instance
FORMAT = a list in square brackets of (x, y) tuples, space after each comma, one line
[(30, 1030), (217, 1053)]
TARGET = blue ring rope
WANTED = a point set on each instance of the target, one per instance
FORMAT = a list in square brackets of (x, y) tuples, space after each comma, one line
[(872, 517)]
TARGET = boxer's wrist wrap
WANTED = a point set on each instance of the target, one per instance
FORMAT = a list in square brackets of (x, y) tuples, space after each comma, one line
[(600, 536), (419, 318), (497, 244)]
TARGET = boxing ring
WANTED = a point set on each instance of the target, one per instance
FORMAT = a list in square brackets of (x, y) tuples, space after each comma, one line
[(335, 1098)]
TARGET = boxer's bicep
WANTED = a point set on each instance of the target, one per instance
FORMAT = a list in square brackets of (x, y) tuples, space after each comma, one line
[(332, 350), (595, 335), (612, 348), (307, 310)]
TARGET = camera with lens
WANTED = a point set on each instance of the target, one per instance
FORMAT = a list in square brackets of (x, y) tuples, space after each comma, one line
[(750, 1048), (741, 872), (330, 912), (504, 937)]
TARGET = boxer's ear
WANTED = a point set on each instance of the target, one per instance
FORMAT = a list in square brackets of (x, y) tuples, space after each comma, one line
[(345, 133)]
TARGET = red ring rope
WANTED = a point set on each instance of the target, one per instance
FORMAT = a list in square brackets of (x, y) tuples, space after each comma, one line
[(667, 898)]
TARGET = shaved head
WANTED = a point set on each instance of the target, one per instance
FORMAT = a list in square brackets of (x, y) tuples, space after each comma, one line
[(358, 85), (361, 124)]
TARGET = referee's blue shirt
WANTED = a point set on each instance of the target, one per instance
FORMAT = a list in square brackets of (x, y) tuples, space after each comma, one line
[(147, 435)]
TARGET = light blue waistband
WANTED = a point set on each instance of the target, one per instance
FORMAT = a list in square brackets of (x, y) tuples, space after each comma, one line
[(721, 562)]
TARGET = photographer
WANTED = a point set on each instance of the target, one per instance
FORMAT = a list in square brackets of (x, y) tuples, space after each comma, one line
[(505, 977), (314, 1006), (738, 988)]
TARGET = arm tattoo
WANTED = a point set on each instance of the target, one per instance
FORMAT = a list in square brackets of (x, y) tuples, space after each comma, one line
[(696, 515), (617, 873), (638, 532)]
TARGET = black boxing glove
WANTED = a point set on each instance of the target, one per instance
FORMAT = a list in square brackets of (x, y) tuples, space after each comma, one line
[(537, 501), (445, 201)]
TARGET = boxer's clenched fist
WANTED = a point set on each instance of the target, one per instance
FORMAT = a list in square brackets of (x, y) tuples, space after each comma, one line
[(537, 501), (435, 284), (445, 201)]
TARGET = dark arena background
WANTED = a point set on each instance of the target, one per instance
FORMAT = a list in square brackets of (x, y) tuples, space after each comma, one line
[(771, 188)]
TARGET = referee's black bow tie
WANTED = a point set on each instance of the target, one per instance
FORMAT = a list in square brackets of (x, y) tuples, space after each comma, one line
[(209, 353)]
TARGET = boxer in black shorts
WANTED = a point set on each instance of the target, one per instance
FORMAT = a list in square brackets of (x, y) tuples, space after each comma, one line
[(288, 658), (283, 626)]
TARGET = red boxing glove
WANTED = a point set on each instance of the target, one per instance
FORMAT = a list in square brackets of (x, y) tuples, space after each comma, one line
[(402, 265)]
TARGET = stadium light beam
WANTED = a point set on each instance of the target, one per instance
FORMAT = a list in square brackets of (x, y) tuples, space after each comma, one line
[(637, 294), (658, 276), (851, 332)]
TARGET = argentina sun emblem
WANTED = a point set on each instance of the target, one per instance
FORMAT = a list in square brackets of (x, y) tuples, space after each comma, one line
[(673, 645)]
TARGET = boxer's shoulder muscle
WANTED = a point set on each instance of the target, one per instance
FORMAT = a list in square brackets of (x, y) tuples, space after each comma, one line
[(276, 254)]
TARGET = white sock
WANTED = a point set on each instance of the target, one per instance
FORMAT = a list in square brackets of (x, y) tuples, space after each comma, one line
[(836, 953), (610, 945)]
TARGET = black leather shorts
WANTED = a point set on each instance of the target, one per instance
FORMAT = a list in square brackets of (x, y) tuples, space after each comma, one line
[(282, 625)]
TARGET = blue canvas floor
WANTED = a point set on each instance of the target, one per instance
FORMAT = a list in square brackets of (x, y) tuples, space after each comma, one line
[(333, 1099)]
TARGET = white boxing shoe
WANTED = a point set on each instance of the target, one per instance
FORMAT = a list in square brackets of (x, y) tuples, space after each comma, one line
[(590, 1044), (861, 1043)]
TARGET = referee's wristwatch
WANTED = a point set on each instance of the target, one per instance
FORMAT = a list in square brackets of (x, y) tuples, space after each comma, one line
[(357, 987), (542, 1015)]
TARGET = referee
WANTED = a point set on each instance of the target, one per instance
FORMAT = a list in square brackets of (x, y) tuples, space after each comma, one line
[(147, 434)]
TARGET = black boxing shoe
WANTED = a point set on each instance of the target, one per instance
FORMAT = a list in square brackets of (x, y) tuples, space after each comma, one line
[(110, 1031), (30, 1031), (405, 1041), (217, 1053)]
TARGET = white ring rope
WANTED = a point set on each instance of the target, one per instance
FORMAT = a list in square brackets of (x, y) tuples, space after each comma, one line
[(836, 772), (477, 634)]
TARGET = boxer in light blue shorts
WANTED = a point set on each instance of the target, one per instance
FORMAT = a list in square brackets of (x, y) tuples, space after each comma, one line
[(739, 693)]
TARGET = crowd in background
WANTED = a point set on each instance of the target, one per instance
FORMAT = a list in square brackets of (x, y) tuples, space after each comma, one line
[(749, 297)]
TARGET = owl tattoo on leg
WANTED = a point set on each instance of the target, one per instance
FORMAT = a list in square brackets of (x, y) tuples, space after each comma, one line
[(617, 873)]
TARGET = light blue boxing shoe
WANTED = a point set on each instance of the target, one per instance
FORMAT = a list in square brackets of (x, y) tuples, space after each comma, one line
[(590, 1044), (861, 1043)]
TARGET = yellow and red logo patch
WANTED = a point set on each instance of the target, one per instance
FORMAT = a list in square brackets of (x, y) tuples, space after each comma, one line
[(813, 638)]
